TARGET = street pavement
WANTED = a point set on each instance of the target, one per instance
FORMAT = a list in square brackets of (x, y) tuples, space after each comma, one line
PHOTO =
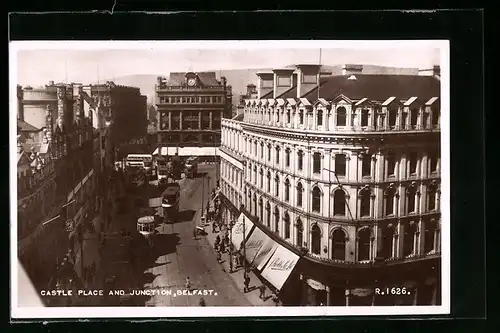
[(178, 255)]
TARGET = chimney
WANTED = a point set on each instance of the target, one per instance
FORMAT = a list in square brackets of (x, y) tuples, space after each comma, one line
[(62, 116), (20, 109), (250, 89), (265, 83), (307, 78), (283, 81), (350, 69)]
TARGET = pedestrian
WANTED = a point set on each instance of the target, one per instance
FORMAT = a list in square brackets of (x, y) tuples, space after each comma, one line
[(202, 302), (219, 257), (276, 299), (246, 282), (213, 227), (262, 290), (188, 283), (222, 247)]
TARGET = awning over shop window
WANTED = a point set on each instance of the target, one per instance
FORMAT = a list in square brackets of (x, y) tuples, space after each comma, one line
[(280, 266), (255, 247), (242, 226), (315, 284)]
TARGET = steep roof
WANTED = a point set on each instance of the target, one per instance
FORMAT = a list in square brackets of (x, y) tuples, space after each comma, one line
[(25, 127), (206, 79), (377, 87), (290, 93), (268, 95)]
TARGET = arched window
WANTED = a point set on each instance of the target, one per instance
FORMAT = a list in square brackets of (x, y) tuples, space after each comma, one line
[(365, 202), (254, 174), (410, 231), (276, 219), (300, 159), (287, 189), (390, 195), (315, 239), (277, 154), (300, 190), (319, 116), (255, 148), (300, 233), (431, 197), (339, 203), (261, 210), (268, 215), (262, 150), (364, 244), (269, 152), (341, 116), (317, 162), (338, 244), (431, 230), (387, 242), (286, 220), (254, 212), (277, 185), (268, 181), (411, 199), (287, 157), (261, 173), (316, 199)]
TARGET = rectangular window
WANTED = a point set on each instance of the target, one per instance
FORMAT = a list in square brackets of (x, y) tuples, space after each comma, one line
[(301, 117), (393, 114), (309, 78), (284, 81), (366, 165), (340, 164), (435, 117), (317, 163), (433, 161), (413, 163), (414, 118), (364, 118), (288, 116), (391, 165)]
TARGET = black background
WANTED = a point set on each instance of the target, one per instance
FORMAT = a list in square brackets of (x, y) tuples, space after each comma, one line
[(464, 28)]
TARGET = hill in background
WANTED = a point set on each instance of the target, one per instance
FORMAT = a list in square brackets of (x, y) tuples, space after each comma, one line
[(239, 78)]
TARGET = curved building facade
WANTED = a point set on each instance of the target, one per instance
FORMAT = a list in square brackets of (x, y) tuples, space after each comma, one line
[(345, 172)]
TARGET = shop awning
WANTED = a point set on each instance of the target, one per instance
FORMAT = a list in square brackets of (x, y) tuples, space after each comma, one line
[(242, 226), (265, 252), (280, 266)]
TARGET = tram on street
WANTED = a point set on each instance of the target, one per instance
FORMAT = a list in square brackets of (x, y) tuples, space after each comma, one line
[(146, 226), (170, 199)]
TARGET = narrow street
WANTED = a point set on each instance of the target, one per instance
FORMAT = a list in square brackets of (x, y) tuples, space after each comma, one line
[(178, 255)]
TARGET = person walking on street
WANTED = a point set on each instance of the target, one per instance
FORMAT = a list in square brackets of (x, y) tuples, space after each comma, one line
[(188, 283), (276, 300), (213, 227), (219, 257), (262, 290), (222, 247), (246, 282), (202, 302)]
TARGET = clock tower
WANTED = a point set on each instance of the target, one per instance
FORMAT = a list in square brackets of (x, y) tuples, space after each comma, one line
[(191, 79)]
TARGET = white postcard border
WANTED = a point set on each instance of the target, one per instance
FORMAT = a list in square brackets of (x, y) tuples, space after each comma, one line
[(174, 312)]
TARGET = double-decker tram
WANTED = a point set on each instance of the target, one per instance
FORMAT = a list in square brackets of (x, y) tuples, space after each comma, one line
[(146, 226)]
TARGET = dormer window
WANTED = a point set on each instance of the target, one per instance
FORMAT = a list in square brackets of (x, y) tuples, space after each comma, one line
[(309, 78)]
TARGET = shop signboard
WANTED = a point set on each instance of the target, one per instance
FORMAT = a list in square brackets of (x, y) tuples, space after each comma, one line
[(237, 231), (280, 266)]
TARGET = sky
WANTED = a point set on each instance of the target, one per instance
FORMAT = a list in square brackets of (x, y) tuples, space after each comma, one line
[(38, 65)]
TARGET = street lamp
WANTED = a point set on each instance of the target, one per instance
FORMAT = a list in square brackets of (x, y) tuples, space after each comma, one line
[(244, 243), (231, 224)]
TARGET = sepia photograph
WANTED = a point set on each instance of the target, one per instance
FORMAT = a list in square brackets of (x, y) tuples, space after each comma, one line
[(242, 178)]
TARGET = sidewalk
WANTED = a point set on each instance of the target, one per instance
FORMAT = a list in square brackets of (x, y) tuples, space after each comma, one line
[(237, 275)]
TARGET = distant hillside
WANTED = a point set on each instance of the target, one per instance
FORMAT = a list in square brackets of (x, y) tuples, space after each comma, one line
[(239, 78)]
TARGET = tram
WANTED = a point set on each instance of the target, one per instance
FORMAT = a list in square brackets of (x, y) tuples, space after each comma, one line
[(170, 201), (146, 226)]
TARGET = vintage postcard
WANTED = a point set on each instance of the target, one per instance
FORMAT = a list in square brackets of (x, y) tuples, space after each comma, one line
[(243, 178)]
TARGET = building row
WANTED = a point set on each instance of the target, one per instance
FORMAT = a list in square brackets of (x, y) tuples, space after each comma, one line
[(67, 139), (342, 171)]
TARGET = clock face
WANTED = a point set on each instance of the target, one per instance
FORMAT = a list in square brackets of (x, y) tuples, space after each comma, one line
[(191, 82)]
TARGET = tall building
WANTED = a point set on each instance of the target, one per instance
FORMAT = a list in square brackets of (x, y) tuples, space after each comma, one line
[(341, 175), (190, 107), (60, 203)]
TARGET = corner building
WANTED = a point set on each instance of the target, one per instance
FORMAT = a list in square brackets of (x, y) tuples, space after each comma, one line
[(343, 171)]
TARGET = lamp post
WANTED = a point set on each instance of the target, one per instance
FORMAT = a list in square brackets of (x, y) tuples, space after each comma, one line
[(231, 224), (202, 194)]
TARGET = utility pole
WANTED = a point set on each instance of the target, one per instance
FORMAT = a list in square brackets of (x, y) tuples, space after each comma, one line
[(244, 242), (202, 194)]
